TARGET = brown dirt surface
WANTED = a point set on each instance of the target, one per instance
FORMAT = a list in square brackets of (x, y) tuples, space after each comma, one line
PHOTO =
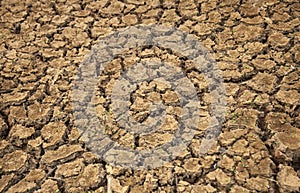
[(255, 43)]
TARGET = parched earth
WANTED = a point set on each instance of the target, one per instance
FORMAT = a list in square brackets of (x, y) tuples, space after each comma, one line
[(255, 44)]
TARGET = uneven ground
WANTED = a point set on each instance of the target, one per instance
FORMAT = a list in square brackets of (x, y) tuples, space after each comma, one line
[(256, 46)]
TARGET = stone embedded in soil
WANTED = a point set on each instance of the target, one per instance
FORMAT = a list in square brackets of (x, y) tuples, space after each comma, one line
[(288, 96), (288, 179), (13, 161), (262, 82), (64, 152), (53, 133)]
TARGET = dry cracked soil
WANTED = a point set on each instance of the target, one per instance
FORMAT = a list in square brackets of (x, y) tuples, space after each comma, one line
[(255, 44)]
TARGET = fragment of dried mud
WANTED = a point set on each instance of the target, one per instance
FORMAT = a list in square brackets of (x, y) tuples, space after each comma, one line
[(117, 187), (14, 161), (5, 180), (21, 132), (3, 127), (290, 97), (203, 188), (192, 165), (70, 169), (53, 133), (262, 64), (261, 167), (90, 176), (287, 143), (220, 176), (288, 179), (244, 32), (278, 39), (63, 153), (29, 182), (259, 184), (263, 82), (49, 186), (285, 139), (228, 137), (34, 146), (238, 189)]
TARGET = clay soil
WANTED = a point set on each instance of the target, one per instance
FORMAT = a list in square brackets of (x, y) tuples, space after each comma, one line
[(255, 44)]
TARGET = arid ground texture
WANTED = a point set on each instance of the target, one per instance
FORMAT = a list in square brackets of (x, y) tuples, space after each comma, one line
[(255, 44)]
